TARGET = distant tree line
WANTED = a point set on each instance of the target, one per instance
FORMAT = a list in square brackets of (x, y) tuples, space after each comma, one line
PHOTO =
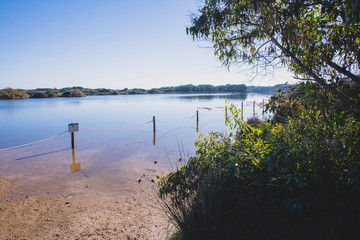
[(9, 93), (266, 89)]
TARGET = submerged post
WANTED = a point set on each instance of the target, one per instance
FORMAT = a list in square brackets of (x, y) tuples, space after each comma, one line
[(154, 124), (225, 114), (263, 107), (73, 127), (254, 108), (154, 139), (242, 109), (197, 120), (75, 166)]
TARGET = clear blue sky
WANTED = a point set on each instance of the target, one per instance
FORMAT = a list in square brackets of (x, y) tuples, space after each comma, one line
[(107, 43)]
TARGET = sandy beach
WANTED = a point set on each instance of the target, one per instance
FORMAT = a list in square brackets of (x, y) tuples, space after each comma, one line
[(85, 214)]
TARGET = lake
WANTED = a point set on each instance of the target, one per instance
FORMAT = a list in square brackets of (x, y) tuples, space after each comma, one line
[(115, 145)]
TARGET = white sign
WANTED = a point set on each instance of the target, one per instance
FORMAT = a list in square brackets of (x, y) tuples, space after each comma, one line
[(73, 127)]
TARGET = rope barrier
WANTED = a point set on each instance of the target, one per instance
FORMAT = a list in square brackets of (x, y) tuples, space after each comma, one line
[(111, 150), (28, 144), (209, 123), (172, 130), (209, 115), (215, 113), (122, 128), (139, 125), (177, 122)]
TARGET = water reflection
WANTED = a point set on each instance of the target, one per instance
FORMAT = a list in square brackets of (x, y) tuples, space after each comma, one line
[(24, 121), (154, 139), (75, 166), (207, 97)]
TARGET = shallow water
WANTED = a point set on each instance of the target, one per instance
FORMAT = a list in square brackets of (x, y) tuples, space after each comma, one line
[(115, 145)]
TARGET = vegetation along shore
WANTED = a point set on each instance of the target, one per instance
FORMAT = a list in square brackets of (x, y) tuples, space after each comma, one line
[(9, 93), (297, 174)]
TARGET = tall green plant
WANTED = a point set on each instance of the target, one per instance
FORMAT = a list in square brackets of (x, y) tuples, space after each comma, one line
[(298, 179)]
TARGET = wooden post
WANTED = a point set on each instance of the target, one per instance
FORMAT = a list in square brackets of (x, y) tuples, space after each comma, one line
[(254, 108), (73, 127), (154, 125), (72, 140), (154, 139), (73, 155), (75, 166), (225, 114), (197, 120), (242, 109), (263, 107)]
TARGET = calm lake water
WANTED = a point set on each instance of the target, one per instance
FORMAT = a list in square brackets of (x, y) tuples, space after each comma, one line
[(115, 145)]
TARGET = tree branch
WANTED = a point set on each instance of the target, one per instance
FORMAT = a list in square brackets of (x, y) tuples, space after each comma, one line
[(342, 70), (315, 77)]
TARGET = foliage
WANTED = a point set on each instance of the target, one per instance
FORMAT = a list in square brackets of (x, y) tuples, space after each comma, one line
[(43, 93), (266, 89), (299, 179), (80, 91), (317, 40), (9, 93), (73, 93), (205, 88)]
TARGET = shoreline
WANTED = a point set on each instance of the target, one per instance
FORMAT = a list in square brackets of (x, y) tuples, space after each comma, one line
[(132, 214)]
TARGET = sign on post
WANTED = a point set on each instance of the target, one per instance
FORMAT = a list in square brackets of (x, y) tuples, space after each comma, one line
[(73, 127)]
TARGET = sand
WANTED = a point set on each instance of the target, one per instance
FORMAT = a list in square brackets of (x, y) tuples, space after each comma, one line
[(87, 214)]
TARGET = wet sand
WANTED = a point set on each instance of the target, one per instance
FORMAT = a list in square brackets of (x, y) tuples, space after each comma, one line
[(134, 213)]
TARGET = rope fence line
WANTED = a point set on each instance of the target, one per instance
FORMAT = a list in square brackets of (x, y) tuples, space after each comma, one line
[(213, 114), (199, 129), (28, 144), (178, 121), (172, 130), (209, 123), (223, 109), (111, 150), (122, 128)]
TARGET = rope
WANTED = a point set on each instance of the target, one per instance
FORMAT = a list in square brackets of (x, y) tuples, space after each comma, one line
[(111, 150), (127, 127), (28, 144), (209, 123), (213, 114), (177, 122), (172, 130)]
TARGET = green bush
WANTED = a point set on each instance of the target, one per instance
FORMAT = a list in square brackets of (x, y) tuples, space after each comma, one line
[(73, 93), (9, 93), (298, 179)]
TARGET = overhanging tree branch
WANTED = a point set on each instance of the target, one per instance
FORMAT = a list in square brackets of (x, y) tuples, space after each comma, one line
[(343, 71), (315, 77)]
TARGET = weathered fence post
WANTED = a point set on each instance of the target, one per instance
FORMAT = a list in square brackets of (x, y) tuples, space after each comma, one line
[(75, 166), (197, 120), (73, 127), (225, 115), (254, 108), (154, 124), (72, 140), (263, 107), (154, 139), (242, 109)]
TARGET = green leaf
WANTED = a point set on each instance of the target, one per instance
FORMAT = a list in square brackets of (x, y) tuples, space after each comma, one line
[(358, 40)]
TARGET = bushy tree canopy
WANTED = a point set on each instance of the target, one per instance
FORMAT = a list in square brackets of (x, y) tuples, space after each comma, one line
[(318, 40)]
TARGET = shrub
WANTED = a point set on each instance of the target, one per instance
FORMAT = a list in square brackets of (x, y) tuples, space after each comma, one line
[(9, 93), (293, 180), (73, 93)]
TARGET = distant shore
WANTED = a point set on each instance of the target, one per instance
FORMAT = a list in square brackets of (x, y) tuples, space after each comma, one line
[(9, 93)]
